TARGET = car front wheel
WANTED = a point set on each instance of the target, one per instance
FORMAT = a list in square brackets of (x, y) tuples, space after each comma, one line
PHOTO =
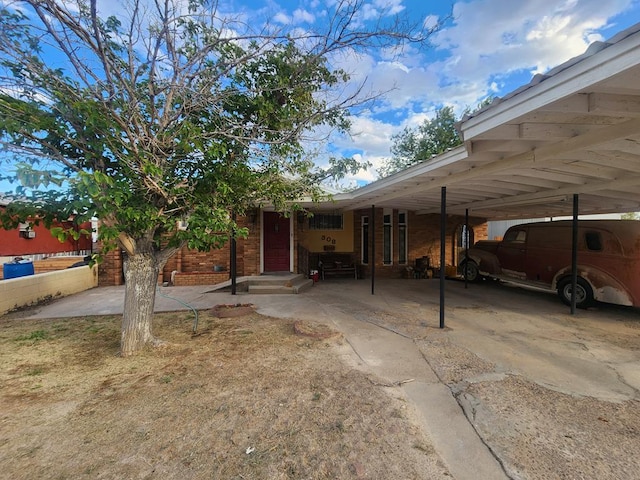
[(470, 271), (584, 293)]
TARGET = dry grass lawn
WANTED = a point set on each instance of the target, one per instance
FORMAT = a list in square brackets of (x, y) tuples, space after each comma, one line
[(244, 398)]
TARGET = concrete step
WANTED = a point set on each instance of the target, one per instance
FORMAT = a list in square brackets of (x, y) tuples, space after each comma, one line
[(303, 284), (289, 285), (274, 279)]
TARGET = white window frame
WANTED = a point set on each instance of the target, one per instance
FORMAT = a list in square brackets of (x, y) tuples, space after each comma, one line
[(364, 221), (387, 244), (405, 226)]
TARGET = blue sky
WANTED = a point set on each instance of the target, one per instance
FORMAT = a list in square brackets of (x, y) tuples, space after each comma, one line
[(488, 47)]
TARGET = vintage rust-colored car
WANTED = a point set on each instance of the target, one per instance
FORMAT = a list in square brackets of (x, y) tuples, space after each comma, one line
[(539, 255)]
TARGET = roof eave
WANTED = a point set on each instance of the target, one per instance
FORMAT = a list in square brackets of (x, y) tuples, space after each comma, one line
[(577, 74)]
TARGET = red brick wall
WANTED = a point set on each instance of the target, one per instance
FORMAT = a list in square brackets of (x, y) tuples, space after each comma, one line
[(196, 264), (423, 239), (423, 233), (54, 264), (110, 269), (187, 260), (193, 261), (199, 278)]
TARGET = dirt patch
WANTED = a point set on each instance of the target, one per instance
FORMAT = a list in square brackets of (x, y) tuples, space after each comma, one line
[(539, 433), (244, 398), (234, 310), (453, 364), (535, 432), (314, 330)]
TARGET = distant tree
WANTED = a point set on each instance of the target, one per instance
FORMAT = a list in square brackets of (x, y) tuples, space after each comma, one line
[(414, 145), (630, 216), (433, 137), (170, 111)]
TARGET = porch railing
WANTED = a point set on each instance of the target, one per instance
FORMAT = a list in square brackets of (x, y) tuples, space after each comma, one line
[(303, 261)]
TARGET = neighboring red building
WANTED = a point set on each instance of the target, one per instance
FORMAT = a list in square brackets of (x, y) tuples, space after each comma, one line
[(37, 240)]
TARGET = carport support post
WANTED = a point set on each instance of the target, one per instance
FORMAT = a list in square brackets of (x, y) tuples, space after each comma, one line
[(233, 253), (574, 254), (443, 226), (372, 236), (466, 246)]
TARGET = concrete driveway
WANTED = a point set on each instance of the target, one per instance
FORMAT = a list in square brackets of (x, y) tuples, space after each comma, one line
[(594, 353), (551, 395)]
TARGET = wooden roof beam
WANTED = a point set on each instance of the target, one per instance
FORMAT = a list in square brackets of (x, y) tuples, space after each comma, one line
[(628, 105)]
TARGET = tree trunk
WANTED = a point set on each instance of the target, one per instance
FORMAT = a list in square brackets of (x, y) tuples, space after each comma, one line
[(141, 277)]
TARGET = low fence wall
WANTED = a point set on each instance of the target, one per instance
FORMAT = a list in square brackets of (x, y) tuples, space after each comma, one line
[(53, 264), (29, 290), (185, 279)]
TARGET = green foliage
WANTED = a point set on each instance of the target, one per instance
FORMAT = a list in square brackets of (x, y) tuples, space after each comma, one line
[(412, 146), (145, 132), (35, 336), (35, 371), (432, 138)]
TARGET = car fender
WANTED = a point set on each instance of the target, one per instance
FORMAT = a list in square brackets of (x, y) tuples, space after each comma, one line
[(606, 288), (487, 262)]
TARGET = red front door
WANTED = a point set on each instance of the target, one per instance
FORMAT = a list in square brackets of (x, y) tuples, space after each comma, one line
[(277, 251)]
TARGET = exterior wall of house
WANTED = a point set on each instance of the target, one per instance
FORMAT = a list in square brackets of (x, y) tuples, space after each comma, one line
[(317, 241), (250, 260), (191, 267), (110, 269), (423, 239)]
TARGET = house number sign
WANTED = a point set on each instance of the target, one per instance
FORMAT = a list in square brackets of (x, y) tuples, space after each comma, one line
[(328, 239)]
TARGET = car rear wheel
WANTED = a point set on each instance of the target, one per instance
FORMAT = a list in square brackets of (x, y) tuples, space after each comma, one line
[(584, 293), (470, 271)]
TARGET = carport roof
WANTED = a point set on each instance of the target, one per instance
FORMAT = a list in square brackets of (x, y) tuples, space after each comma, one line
[(574, 130)]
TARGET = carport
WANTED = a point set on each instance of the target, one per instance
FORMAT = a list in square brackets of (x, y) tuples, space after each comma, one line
[(571, 134)]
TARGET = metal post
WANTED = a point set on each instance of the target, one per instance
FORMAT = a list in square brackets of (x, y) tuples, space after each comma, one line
[(232, 260), (372, 237), (466, 244), (574, 254), (443, 227)]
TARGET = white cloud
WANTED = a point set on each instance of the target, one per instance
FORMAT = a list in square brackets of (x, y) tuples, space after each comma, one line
[(303, 16), (297, 17), (490, 37), (390, 7), (370, 140), (371, 136), (282, 18)]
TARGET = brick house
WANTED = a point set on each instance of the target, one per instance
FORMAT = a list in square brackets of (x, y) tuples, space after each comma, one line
[(570, 133), (295, 244)]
